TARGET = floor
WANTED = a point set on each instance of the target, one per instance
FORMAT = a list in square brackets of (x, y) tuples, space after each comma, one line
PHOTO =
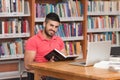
[(17, 79)]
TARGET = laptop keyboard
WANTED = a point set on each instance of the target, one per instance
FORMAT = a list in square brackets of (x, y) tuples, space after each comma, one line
[(83, 63), (78, 63)]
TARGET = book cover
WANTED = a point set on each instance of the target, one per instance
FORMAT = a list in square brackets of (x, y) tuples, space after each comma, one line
[(58, 56)]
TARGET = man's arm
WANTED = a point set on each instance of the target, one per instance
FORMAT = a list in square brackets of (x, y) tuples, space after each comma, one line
[(29, 57)]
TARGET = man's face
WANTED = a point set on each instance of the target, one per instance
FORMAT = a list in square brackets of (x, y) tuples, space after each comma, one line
[(51, 27)]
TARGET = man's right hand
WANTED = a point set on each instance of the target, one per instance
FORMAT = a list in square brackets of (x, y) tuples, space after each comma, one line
[(52, 59)]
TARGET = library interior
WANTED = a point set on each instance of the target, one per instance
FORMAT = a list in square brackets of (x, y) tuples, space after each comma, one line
[(89, 30)]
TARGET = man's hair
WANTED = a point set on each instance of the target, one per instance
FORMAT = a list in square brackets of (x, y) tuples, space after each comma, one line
[(52, 16)]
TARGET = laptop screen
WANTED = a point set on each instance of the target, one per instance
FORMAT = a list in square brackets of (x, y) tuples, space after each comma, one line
[(115, 51)]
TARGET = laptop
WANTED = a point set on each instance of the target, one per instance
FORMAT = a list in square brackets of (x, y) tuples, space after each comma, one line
[(115, 53), (96, 51)]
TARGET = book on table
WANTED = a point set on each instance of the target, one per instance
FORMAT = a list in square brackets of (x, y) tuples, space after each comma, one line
[(58, 56)]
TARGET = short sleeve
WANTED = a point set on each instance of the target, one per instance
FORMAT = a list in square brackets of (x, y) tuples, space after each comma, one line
[(30, 44)]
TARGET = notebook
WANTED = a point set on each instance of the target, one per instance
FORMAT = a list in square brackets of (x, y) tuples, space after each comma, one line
[(96, 51)]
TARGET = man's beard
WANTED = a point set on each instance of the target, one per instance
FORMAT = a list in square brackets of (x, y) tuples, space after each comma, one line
[(49, 35)]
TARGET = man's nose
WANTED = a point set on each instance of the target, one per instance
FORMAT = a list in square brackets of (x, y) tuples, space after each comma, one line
[(54, 28)]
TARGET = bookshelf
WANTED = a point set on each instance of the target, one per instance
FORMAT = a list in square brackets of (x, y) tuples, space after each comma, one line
[(103, 21), (14, 30)]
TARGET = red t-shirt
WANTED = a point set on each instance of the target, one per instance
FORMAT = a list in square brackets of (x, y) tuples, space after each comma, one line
[(42, 46)]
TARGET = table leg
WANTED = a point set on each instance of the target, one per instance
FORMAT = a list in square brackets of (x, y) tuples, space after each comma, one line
[(36, 76)]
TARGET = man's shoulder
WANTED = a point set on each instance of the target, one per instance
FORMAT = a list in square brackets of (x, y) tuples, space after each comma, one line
[(58, 38), (33, 37)]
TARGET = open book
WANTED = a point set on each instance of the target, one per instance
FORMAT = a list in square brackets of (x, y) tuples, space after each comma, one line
[(58, 56)]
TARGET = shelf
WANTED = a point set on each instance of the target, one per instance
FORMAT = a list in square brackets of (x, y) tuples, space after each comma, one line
[(14, 35), (72, 19), (11, 57), (13, 15), (66, 19), (102, 30), (72, 38), (102, 13), (10, 75)]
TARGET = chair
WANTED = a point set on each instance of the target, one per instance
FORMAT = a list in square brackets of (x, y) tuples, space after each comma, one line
[(30, 76), (21, 74)]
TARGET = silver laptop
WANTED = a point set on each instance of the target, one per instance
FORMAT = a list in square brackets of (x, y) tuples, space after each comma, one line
[(115, 53), (97, 51)]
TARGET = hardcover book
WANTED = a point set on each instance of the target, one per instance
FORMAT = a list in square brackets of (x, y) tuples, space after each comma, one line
[(58, 56)]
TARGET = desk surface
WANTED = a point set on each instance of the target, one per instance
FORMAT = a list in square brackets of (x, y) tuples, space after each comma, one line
[(71, 72)]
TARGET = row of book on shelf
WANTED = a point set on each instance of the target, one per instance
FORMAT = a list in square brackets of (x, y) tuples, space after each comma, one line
[(67, 8), (104, 22), (74, 8), (13, 48), (12, 6), (73, 47), (17, 48), (14, 26), (65, 29), (103, 5), (104, 36)]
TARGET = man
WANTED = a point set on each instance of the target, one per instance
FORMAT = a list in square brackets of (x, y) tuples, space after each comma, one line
[(45, 41)]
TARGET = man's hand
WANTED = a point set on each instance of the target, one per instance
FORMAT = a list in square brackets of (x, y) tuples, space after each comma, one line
[(52, 59)]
